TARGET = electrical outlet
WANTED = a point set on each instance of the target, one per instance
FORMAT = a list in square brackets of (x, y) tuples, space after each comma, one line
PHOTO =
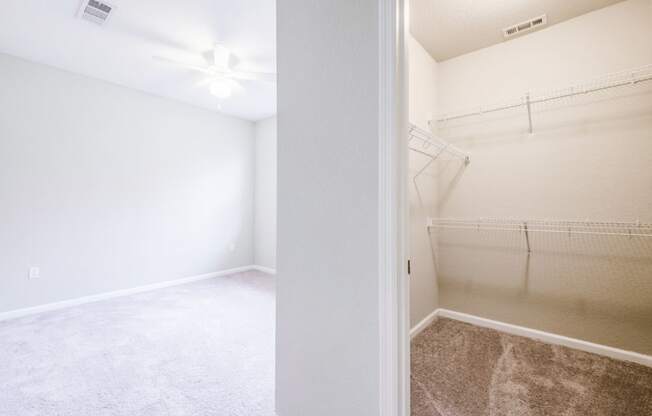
[(34, 273)]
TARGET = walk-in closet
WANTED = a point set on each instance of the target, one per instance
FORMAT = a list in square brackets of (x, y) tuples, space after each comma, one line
[(530, 177)]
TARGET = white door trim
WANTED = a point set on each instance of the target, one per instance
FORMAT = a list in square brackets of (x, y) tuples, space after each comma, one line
[(393, 286)]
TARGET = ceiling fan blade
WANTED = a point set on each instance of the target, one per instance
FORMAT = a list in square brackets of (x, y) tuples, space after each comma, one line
[(205, 82), (192, 67), (253, 76), (221, 56)]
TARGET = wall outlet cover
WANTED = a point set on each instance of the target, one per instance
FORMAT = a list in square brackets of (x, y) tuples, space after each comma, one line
[(34, 273)]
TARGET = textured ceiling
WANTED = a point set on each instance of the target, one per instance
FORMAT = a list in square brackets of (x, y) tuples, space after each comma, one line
[(449, 28), (121, 51)]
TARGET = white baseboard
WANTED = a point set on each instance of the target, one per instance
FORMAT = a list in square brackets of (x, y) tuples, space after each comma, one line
[(542, 336), (123, 292), (416, 330), (264, 269)]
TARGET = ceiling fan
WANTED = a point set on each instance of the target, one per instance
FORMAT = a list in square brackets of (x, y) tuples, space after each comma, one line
[(222, 78)]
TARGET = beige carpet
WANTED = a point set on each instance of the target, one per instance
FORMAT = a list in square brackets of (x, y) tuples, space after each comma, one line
[(200, 349), (463, 370)]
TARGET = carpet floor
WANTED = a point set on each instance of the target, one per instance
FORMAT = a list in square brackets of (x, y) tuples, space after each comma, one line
[(464, 370), (201, 349)]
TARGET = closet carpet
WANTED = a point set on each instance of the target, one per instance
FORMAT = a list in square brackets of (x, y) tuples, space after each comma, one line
[(201, 349), (464, 370)]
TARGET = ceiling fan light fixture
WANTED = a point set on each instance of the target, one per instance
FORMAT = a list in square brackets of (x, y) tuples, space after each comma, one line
[(221, 89)]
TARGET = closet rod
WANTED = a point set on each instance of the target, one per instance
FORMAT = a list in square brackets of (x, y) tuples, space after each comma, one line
[(564, 223), (622, 229), (534, 230), (615, 80)]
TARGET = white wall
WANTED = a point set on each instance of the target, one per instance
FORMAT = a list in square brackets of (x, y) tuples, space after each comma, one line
[(423, 191), (328, 167), (106, 188), (265, 194), (583, 161)]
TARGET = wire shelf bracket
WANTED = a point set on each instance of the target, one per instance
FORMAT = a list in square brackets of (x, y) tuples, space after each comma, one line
[(422, 142)]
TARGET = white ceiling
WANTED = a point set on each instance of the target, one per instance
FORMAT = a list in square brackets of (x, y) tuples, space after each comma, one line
[(121, 51), (449, 28)]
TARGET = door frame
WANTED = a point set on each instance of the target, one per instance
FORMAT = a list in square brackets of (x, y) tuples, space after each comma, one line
[(394, 331)]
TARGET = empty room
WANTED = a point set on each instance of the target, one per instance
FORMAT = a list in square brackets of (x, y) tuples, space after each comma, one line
[(138, 211), (326, 208)]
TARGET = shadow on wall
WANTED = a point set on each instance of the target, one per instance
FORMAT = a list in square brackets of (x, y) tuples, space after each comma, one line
[(585, 162), (599, 282), (510, 125), (457, 168), (612, 272), (422, 209)]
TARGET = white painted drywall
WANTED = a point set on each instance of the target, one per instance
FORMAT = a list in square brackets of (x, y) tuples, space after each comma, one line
[(423, 190), (328, 179), (589, 161), (265, 194), (105, 188)]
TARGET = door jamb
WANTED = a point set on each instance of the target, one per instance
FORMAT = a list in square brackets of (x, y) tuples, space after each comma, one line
[(393, 211)]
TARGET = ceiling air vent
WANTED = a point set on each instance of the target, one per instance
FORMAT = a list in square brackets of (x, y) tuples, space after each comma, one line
[(95, 11), (526, 26)]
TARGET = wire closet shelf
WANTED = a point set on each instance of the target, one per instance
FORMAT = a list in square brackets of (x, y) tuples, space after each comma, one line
[(422, 142), (532, 100), (527, 226), (625, 229)]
